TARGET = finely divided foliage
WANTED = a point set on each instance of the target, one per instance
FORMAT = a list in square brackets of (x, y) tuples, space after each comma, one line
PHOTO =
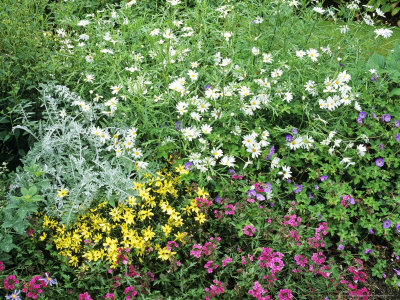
[(205, 149)]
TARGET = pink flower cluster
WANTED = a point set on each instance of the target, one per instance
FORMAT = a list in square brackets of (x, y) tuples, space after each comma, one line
[(270, 260), (130, 292), (207, 249), (292, 220), (359, 275), (257, 292), (85, 296), (109, 296), (318, 258), (226, 260), (285, 294), (34, 287), (317, 240), (214, 289), (1, 266), (10, 282), (230, 209), (170, 244), (295, 236), (248, 230), (203, 203), (210, 266)]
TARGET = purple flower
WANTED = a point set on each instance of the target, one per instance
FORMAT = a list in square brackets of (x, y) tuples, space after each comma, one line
[(271, 152), (310, 196), (359, 120), (217, 199), (398, 137), (362, 114), (189, 165), (340, 64), (374, 115), (260, 197), (316, 187), (14, 295), (323, 177), (298, 188), (294, 130), (340, 247), (381, 145), (289, 138), (177, 125), (367, 251), (386, 118), (386, 224), (373, 78), (379, 162), (398, 227), (49, 280), (370, 231), (397, 272), (268, 187), (206, 87), (396, 123), (251, 193)]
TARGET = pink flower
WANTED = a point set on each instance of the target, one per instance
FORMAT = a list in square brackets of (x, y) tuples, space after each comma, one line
[(248, 230), (85, 296), (10, 282), (130, 292), (109, 296), (226, 261), (285, 294), (1, 266)]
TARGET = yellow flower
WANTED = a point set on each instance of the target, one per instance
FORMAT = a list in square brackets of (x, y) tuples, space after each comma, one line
[(148, 234), (116, 214), (143, 214), (62, 193), (74, 261), (201, 218), (181, 170), (180, 236), (43, 236), (201, 193), (166, 229), (165, 254), (132, 201)]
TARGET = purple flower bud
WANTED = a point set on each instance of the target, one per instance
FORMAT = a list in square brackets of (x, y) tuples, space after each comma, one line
[(373, 78), (359, 120), (310, 196), (398, 137), (371, 231), (316, 187), (289, 138), (396, 123), (340, 247), (207, 87), (398, 227), (381, 146), (294, 130), (177, 125), (367, 251), (323, 177)]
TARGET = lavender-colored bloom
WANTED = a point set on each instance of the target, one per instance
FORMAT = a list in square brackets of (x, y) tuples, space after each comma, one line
[(381, 146), (373, 78), (310, 196), (260, 197), (14, 295), (362, 114), (177, 125), (316, 187), (251, 193), (267, 187), (367, 251), (298, 188), (396, 123), (289, 138), (340, 64), (379, 162), (217, 199), (351, 201), (232, 171), (398, 227), (270, 152), (386, 118), (272, 204), (323, 177), (397, 272), (386, 224), (49, 280), (374, 115), (189, 165), (398, 137), (340, 247), (359, 120), (294, 130), (371, 231), (207, 87)]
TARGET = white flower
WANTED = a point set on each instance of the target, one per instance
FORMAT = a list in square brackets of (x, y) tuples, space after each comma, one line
[(267, 58), (286, 172), (174, 2), (228, 161), (380, 13), (136, 153), (275, 162), (348, 161), (84, 37), (300, 53), (296, 143), (227, 35), (276, 73), (361, 150), (193, 75), (155, 32), (258, 20), (217, 152), (89, 78), (248, 140), (181, 107), (89, 58), (194, 64), (319, 10), (383, 32), (83, 23), (196, 116), (372, 71), (255, 51), (115, 89), (313, 54), (254, 150), (168, 34), (344, 29), (205, 128), (63, 114)]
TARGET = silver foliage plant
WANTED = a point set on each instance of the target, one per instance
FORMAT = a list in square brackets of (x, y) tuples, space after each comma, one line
[(73, 158)]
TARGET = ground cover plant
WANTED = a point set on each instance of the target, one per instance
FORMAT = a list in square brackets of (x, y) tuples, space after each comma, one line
[(208, 149)]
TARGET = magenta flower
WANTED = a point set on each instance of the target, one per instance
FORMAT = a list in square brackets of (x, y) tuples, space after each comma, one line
[(85, 296), (340, 247), (379, 162), (1, 266), (109, 296), (285, 294)]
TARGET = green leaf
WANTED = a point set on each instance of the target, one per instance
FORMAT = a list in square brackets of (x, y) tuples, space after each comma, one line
[(395, 92)]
